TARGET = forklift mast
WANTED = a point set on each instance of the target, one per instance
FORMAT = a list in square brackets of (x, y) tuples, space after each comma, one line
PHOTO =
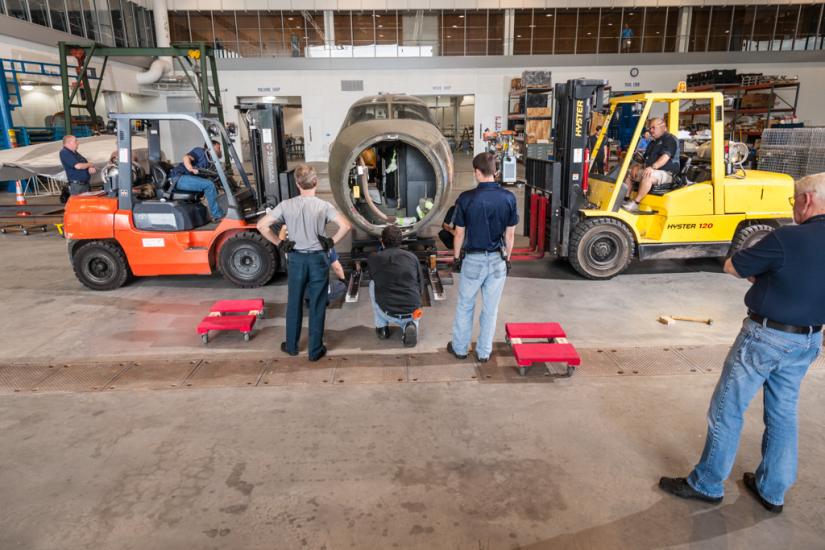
[(564, 178), (267, 144)]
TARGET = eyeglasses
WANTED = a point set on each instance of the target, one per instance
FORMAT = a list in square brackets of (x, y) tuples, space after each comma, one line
[(792, 199)]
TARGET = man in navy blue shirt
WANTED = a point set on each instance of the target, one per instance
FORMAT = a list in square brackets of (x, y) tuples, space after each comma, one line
[(185, 177), (79, 171), (485, 221), (780, 338)]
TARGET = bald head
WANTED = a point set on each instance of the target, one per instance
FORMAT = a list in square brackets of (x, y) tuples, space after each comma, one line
[(70, 142), (809, 197), (657, 127)]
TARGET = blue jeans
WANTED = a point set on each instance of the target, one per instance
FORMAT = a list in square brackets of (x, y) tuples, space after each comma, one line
[(195, 184), (485, 273), (308, 275), (382, 318), (764, 358)]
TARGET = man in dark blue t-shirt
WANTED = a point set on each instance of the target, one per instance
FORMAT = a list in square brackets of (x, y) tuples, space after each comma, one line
[(79, 171), (185, 177), (780, 338), (660, 163), (485, 221)]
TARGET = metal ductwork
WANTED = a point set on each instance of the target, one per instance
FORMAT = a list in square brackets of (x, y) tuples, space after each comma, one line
[(161, 66)]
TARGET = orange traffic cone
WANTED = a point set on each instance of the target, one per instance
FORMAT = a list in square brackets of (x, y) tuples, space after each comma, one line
[(21, 200)]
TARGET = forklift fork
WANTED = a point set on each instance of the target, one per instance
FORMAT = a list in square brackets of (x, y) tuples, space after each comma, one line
[(538, 230)]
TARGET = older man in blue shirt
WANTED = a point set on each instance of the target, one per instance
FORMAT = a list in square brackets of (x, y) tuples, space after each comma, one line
[(780, 338), (485, 221), (185, 177), (79, 171)]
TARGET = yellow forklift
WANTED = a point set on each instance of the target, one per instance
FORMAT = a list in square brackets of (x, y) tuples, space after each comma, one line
[(713, 207)]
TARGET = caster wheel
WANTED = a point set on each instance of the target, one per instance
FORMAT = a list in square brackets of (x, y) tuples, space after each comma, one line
[(25, 231), (522, 371), (204, 338), (43, 229), (247, 336), (570, 370)]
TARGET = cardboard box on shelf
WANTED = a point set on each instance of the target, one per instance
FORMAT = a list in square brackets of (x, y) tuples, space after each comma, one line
[(538, 111), (516, 84)]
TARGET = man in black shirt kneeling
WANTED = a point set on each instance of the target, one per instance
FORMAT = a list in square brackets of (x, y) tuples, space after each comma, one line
[(395, 288)]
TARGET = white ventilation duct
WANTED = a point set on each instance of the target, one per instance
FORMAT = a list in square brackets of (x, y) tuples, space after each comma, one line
[(162, 65)]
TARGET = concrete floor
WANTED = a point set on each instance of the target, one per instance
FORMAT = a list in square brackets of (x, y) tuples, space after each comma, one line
[(567, 463)]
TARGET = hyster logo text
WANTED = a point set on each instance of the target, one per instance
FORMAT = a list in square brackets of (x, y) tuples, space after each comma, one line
[(579, 117), (681, 226)]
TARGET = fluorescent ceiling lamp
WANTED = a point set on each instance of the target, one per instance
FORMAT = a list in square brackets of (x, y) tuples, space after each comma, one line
[(269, 98), (57, 87), (27, 87)]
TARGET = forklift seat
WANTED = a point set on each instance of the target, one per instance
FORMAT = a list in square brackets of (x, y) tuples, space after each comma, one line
[(679, 180), (169, 215), (165, 188)]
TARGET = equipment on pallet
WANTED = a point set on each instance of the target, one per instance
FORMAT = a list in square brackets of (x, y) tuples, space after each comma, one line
[(112, 235), (712, 208), (503, 145), (237, 315)]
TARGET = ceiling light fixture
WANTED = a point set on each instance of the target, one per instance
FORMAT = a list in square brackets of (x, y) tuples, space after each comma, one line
[(27, 87), (269, 98), (518, 36), (455, 26), (461, 17), (292, 18), (549, 15), (57, 87)]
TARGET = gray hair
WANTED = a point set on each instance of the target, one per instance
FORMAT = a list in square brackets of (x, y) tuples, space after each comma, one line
[(815, 184)]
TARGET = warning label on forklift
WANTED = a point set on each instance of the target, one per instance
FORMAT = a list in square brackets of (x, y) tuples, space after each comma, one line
[(153, 243)]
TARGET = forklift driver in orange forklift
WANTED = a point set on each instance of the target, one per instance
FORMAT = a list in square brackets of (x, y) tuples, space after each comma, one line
[(659, 164), (185, 177)]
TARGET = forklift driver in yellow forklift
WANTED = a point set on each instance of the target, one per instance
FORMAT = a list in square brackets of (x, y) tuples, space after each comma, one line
[(659, 164)]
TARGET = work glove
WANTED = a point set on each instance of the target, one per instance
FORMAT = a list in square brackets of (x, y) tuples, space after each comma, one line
[(457, 265), (286, 246), (326, 242)]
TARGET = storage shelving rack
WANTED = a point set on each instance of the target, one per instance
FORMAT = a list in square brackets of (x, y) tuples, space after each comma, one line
[(519, 101)]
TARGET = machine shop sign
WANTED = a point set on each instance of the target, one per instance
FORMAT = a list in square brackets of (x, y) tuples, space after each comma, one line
[(270, 89)]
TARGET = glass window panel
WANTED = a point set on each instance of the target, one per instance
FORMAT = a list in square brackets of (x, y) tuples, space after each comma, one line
[(452, 33), (783, 38), (672, 29), (740, 39), (543, 31), (200, 26), (588, 30), (343, 28), (719, 35), (610, 29), (17, 9), (632, 29), (565, 31), (273, 37), (386, 27), (75, 17), (808, 36), (522, 29), (655, 19), (226, 34), (92, 31), (179, 26), (57, 9), (118, 22), (476, 32), (363, 29), (495, 32), (763, 27), (104, 22), (142, 32), (420, 34), (249, 35), (150, 26), (699, 24), (295, 30), (130, 23), (39, 12), (314, 26)]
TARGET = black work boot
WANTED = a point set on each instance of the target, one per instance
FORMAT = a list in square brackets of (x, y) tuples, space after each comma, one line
[(452, 351), (410, 335), (678, 486), (383, 332), (284, 349), (750, 484)]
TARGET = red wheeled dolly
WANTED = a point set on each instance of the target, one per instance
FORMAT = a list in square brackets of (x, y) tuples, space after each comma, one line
[(237, 315), (554, 347)]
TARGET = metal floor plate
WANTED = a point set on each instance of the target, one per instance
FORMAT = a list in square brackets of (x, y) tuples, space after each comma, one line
[(596, 362), (15, 378), (75, 377), (705, 359), (284, 372), (154, 375), (650, 361), (370, 375), (226, 373), (443, 373)]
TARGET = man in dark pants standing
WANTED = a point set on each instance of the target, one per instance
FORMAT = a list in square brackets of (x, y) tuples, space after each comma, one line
[(780, 338), (485, 228), (306, 217), (79, 171), (447, 233)]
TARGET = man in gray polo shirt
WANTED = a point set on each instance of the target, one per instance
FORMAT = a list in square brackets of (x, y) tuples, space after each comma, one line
[(306, 217)]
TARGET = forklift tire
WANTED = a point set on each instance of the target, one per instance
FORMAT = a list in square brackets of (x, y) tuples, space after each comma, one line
[(248, 260), (601, 248), (748, 236), (101, 265)]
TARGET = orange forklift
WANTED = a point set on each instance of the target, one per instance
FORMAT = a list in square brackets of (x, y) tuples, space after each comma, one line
[(113, 236)]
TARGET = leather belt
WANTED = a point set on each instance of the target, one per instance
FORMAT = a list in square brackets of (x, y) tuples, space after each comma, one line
[(399, 315), (482, 251), (795, 329)]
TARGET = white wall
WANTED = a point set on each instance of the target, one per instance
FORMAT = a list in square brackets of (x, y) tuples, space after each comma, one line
[(324, 105), (294, 121)]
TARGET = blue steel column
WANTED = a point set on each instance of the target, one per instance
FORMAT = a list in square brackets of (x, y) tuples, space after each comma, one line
[(5, 111)]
